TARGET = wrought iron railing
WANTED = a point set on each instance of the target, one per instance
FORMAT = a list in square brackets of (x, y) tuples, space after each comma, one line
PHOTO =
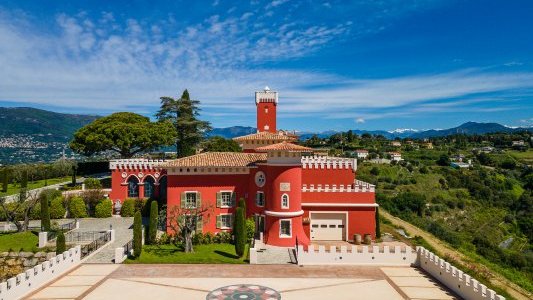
[(296, 250), (128, 247), (83, 236), (96, 244)]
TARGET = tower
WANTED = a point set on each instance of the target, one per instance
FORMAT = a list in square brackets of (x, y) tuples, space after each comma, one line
[(283, 208), (266, 102)]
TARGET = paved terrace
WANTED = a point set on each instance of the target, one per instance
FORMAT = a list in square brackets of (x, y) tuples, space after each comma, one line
[(90, 281)]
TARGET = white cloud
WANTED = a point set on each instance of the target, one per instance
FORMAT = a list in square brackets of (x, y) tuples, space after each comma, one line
[(111, 66), (359, 120)]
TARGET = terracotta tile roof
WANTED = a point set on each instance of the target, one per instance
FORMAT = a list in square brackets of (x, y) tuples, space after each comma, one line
[(266, 136), (218, 159), (284, 146)]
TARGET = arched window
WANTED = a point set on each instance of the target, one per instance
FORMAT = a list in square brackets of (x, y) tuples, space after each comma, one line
[(285, 201), (149, 187), (133, 187)]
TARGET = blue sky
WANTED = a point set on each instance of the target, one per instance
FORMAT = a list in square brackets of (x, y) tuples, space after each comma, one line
[(336, 64)]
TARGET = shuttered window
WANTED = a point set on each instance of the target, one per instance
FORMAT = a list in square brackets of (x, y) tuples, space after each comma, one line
[(260, 199), (225, 221)]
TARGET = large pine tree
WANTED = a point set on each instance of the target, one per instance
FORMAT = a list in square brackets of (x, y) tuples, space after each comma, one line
[(183, 113)]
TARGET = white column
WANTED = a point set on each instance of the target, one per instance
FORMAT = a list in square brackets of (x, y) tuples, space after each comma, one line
[(43, 239)]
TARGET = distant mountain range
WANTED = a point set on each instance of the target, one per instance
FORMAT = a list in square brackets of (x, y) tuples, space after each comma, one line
[(469, 128), (52, 126)]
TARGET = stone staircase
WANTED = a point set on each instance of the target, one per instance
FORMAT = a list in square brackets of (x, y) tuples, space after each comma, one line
[(271, 255)]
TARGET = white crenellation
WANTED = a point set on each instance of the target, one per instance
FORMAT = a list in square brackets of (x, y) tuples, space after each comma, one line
[(135, 164), (354, 255), (326, 162), (19, 286), (357, 187), (453, 278)]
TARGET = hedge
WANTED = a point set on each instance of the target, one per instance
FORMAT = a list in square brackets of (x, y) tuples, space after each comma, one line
[(57, 208), (77, 208), (104, 209)]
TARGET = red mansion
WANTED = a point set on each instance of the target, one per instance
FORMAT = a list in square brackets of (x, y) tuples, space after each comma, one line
[(290, 192)]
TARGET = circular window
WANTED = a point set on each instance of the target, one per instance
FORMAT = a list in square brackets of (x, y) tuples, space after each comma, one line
[(260, 179)]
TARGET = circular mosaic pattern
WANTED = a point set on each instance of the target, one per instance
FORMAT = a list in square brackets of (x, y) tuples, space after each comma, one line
[(243, 292)]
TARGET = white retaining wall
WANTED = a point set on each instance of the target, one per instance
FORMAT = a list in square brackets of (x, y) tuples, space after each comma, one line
[(24, 283), (385, 256), (462, 284)]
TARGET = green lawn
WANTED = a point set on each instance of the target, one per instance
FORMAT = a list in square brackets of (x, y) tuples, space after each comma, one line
[(15, 188), (203, 254), (27, 241)]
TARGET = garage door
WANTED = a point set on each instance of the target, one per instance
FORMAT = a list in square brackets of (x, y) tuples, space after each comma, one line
[(328, 226)]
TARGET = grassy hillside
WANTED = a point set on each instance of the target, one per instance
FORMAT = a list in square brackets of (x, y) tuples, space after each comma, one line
[(25, 120)]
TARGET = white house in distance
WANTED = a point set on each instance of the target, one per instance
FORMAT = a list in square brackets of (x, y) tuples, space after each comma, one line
[(361, 153), (397, 156), (396, 144)]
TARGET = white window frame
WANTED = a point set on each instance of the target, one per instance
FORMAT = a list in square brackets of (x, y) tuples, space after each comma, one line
[(263, 198), (222, 205), (222, 224), (285, 236), (288, 201), (187, 200)]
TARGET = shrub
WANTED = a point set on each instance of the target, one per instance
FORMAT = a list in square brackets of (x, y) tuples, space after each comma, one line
[(35, 213), (209, 238), (250, 229), (374, 171), (198, 238), (104, 209), (142, 205), (77, 208), (222, 238), (57, 208), (92, 184), (128, 208), (137, 234), (240, 231), (152, 227), (60, 243)]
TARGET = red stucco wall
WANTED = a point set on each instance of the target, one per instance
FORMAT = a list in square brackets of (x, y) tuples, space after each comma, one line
[(266, 118)]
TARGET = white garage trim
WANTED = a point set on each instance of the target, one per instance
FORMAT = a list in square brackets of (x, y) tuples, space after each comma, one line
[(331, 212), (341, 204)]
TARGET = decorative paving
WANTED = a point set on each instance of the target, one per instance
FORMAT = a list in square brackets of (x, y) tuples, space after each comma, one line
[(236, 282), (243, 292)]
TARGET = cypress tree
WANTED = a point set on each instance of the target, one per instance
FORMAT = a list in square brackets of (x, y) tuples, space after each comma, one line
[(183, 113), (137, 234), (74, 173), (45, 211), (152, 229), (378, 225), (5, 180), (24, 182), (60, 243), (240, 231)]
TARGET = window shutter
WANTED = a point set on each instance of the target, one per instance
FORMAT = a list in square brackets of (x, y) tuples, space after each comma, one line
[(257, 197), (233, 197), (219, 199), (198, 200), (199, 224), (231, 220), (219, 221), (183, 199)]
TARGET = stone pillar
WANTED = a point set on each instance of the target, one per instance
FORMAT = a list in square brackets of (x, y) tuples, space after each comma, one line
[(112, 231), (43, 239), (119, 255)]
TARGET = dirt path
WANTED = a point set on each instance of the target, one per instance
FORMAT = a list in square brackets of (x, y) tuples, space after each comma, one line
[(496, 279)]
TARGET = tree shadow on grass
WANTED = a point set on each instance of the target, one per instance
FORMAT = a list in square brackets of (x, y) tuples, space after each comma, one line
[(164, 251), (226, 254)]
